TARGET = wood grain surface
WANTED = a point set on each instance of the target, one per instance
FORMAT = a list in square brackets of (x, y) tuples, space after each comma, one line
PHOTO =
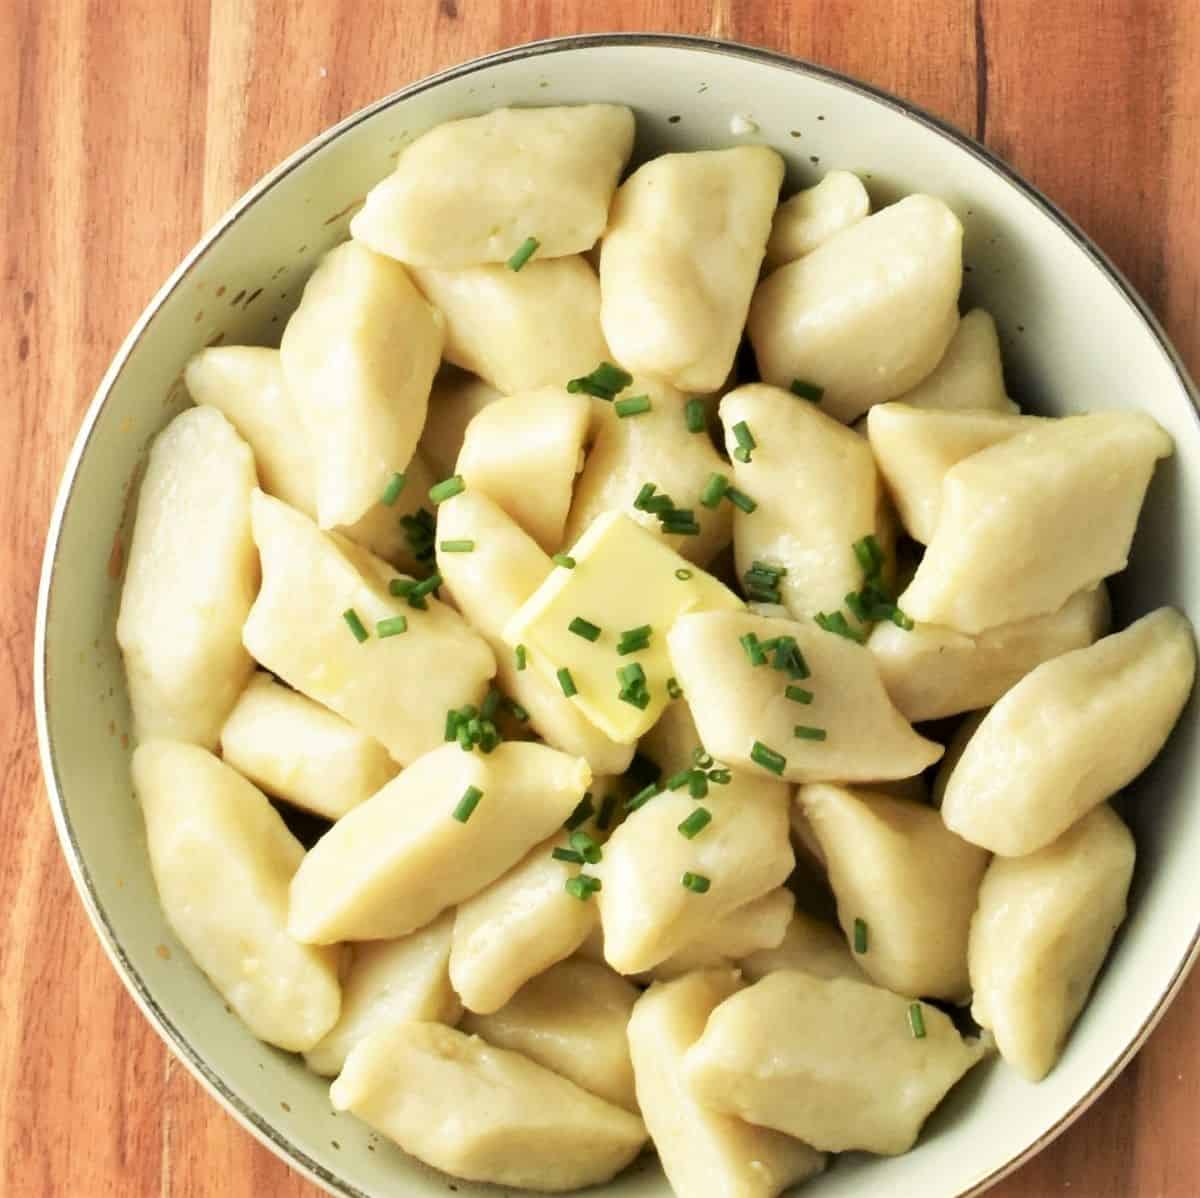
[(127, 126)]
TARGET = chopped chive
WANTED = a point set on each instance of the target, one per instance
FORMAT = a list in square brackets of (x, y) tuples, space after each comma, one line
[(754, 651), (489, 737), (858, 608), (566, 682), (745, 441), (570, 855), (636, 633), (644, 495), (563, 559), (457, 546), (767, 758), (467, 804), (447, 489), (676, 780), (581, 814), (475, 729), (837, 623), (740, 500), (584, 628), (693, 414), (869, 553), (604, 382), (452, 722), (695, 823), (860, 936), (809, 391), (635, 698), (392, 626), (682, 574), (631, 675), (582, 886), (416, 595), (901, 620), (798, 694), (519, 656), (805, 732), (916, 1021), (643, 796), (401, 586), (702, 757), (607, 807), (697, 883), (355, 624), (632, 645), (674, 690), (523, 253), (517, 712), (635, 405), (463, 736), (587, 846), (392, 491), (714, 490), (491, 701), (720, 777), (698, 784), (687, 528)]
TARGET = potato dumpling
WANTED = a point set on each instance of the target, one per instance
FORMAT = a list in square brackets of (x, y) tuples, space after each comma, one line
[(523, 452), (833, 1062), (931, 671), (656, 447), (679, 260), (869, 313), (1070, 734), (970, 376), (904, 884), (1042, 931), (817, 492), (814, 215), (455, 400), (808, 944), (401, 858), (915, 447), (300, 751), (473, 190), (488, 585), (573, 1020), (483, 1113), (550, 331), (222, 859), (190, 580), (520, 925), (738, 705), (703, 1153), (396, 688), (995, 558), (389, 982), (955, 747), (359, 356)]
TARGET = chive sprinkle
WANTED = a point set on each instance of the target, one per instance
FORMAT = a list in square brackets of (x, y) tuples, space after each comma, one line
[(566, 682), (809, 391), (754, 651), (392, 491), (702, 757), (837, 623), (523, 253), (698, 784), (745, 441), (695, 823), (392, 626), (604, 382), (581, 814), (584, 628), (870, 554), (587, 847), (720, 777), (741, 500), (798, 694), (682, 574), (643, 796), (452, 722), (674, 690), (916, 1021), (355, 624), (570, 855), (678, 779), (416, 594), (714, 490), (467, 804), (607, 808), (633, 640), (696, 883), (635, 405), (901, 620), (519, 656), (563, 559), (457, 546), (582, 886), (401, 586), (860, 936), (805, 732), (693, 414), (418, 532), (487, 709), (447, 489), (760, 754), (517, 712)]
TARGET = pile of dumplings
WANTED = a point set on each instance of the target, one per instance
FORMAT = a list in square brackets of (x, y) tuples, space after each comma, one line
[(588, 642)]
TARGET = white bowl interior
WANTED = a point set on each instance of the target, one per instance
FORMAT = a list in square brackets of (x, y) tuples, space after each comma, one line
[(1073, 339)]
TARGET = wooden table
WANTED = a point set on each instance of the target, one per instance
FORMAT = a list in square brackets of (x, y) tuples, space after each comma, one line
[(129, 125)]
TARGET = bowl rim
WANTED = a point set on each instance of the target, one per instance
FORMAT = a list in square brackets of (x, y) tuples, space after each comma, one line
[(259, 1126)]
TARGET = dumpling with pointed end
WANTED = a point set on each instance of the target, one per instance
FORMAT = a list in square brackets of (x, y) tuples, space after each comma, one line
[(483, 1113), (448, 826), (994, 557), (396, 688), (702, 1152), (473, 190), (1042, 931), (523, 452), (897, 870), (817, 492), (190, 581), (853, 733), (550, 331), (455, 400), (1070, 734), (222, 859), (810, 945), (970, 376), (869, 313), (679, 260), (812, 216), (359, 356), (840, 1068)]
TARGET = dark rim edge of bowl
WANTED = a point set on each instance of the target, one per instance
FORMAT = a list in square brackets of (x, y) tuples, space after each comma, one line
[(256, 1124)]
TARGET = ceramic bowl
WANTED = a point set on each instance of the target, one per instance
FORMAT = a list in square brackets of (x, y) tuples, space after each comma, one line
[(1075, 337)]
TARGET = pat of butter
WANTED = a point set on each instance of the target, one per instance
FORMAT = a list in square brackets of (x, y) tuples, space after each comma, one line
[(624, 577)]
